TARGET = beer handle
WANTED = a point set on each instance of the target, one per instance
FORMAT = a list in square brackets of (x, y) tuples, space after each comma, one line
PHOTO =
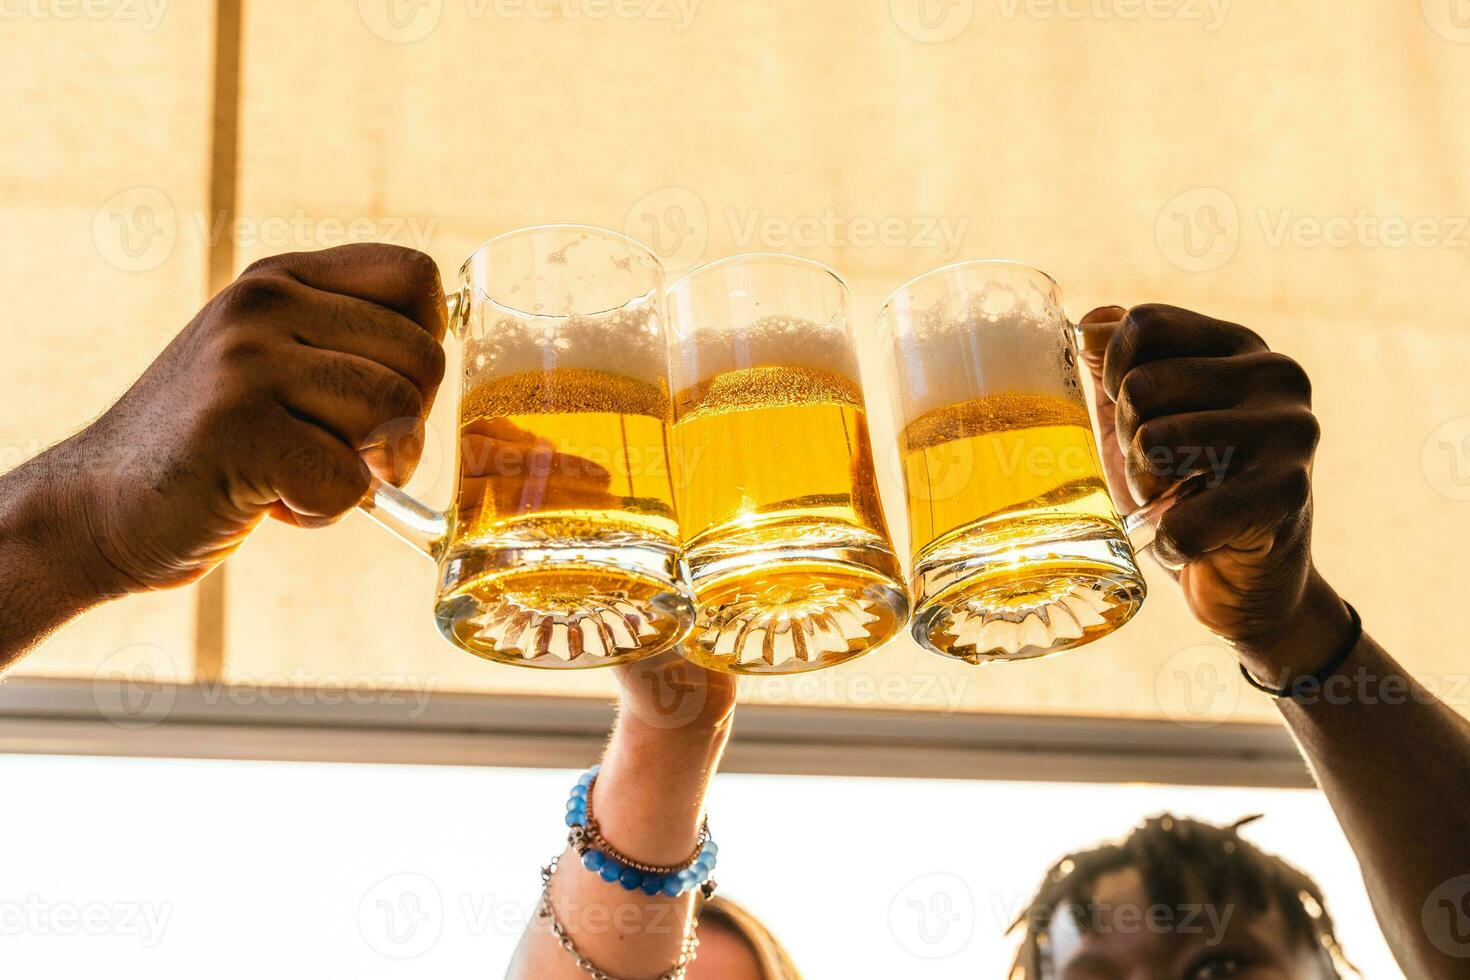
[(1142, 525), (405, 515)]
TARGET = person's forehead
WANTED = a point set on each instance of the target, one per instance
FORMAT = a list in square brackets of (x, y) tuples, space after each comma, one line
[(1127, 929), (1104, 937)]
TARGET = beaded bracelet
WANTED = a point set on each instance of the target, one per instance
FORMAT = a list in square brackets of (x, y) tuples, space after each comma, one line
[(613, 866)]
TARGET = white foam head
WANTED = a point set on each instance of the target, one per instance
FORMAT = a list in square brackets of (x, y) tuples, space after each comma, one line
[(628, 342), (775, 340), (952, 346), (760, 310), (564, 296)]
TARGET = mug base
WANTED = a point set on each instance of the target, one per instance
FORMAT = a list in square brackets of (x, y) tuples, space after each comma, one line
[(787, 611), (561, 608), (1007, 601)]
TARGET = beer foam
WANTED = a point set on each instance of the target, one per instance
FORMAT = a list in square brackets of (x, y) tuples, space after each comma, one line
[(766, 387), (563, 390), (1006, 412), (627, 342), (777, 340), (947, 358)]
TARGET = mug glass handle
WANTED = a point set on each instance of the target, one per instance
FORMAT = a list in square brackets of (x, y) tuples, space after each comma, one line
[(405, 515), (1143, 524)]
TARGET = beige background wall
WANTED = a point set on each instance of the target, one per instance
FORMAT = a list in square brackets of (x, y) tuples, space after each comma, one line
[(1087, 145)]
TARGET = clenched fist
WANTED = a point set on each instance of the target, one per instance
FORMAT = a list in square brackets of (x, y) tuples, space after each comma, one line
[(1182, 395), (276, 400)]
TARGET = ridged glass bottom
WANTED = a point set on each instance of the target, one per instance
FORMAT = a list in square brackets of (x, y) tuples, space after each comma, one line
[(553, 608), (784, 612), (1009, 596)]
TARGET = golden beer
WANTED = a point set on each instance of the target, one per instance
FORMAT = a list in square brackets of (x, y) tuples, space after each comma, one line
[(1017, 549), (992, 476), (739, 424), (997, 461), (572, 454), (783, 530)]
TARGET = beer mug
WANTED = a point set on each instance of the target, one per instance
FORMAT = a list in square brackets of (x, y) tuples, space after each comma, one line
[(788, 552), (560, 548), (1017, 549)]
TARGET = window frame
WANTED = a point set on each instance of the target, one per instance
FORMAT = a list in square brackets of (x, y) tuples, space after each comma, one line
[(210, 721)]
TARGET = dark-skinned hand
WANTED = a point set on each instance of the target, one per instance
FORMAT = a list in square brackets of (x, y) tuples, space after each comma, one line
[(1183, 395), (307, 373)]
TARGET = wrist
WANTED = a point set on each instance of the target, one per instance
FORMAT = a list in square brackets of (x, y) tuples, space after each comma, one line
[(673, 764), (681, 738), (72, 486), (650, 794), (1307, 640), (43, 543)]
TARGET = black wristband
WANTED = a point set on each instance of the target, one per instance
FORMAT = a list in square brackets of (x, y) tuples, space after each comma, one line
[(1313, 682)]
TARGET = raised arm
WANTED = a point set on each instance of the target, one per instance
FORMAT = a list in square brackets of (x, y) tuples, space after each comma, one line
[(648, 803), (1182, 394), (267, 403)]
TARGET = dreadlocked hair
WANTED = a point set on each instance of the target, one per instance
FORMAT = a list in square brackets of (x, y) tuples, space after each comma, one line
[(1175, 856)]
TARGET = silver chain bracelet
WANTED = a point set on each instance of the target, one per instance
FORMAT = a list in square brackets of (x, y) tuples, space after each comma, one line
[(687, 949)]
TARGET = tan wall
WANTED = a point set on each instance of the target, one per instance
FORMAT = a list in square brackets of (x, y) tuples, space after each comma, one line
[(1083, 145)]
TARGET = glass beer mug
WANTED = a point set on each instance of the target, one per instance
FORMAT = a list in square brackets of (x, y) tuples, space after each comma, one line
[(1017, 549), (560, 548), (788, 552)]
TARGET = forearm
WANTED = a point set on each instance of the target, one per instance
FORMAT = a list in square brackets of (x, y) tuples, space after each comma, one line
[(45, 578), (649, 804), (1394, 762)]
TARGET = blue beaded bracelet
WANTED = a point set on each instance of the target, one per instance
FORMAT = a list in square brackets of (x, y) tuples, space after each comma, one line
[(612, 866)]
